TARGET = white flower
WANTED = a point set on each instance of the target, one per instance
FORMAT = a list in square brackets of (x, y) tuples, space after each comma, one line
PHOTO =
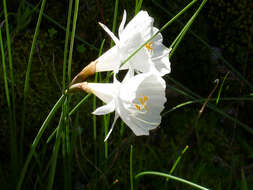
[(153, 57), (138, 100)]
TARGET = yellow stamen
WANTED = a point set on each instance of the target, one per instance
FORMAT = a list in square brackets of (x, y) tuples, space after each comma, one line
[(138, 107), (141, 101), (149, 46), (145, 98)]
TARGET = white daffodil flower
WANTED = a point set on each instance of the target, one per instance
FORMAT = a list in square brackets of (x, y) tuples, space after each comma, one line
[(153, 57), (137, 100)]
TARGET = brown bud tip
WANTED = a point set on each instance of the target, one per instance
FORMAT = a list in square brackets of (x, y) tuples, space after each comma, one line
[(79, 87), (86, 72)]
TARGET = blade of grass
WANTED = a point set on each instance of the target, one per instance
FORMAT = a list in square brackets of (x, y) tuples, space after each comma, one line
[(79, 104), (72, 39), (203, 100), (37, 139), (55, 154), (138, 4), (5, 79), (177, 161), (66, 144), (27, 78), (179, 38), (66, 134), (94, 107), (14, 149), (170, 177), (238, 74), (209, 105), (221, 87), (66, 46)]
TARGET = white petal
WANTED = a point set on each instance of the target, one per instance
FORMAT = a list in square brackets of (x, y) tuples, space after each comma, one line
[(141, 23), (108, 108), (160, 55), (122, 24), (109, 60), (113, 124), (137, 32), (142, 90), (114, 38), (104, 91)]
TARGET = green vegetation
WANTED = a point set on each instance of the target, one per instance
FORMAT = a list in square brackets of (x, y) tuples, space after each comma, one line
[(50, 140)]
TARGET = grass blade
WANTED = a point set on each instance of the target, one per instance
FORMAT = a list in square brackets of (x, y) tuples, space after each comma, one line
[(170, 177), (209, 105), (221, 87), (177, 160), (179, 38), (14, 149), (238, 74), (37, 139), (79, 104), (27, 78), (55, 154), (66, 47)]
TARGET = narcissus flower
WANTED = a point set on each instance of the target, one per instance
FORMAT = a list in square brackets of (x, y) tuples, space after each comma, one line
[(137, 100), (153, 57)]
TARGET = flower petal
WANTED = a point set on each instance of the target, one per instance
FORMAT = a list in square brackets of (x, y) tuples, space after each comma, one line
[(122, 24), (160, 55), (114, 38), (109, 60), (108, 108), (113, 124), (104, 91), (141, 100)]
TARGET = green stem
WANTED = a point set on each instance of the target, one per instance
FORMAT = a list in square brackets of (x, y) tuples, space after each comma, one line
[(138, 5), (213, 107), (55, 153), (37, 139), (204, 100), (79, 104), (14, 149), (177, 161), (66, 46), (239, 75), (5, 74), (170, 177), (27, 78), (72, 39), (179, 38), (221, 87)]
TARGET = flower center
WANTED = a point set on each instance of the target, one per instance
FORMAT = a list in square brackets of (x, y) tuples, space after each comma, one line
[(142, 103), (149, 46)]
